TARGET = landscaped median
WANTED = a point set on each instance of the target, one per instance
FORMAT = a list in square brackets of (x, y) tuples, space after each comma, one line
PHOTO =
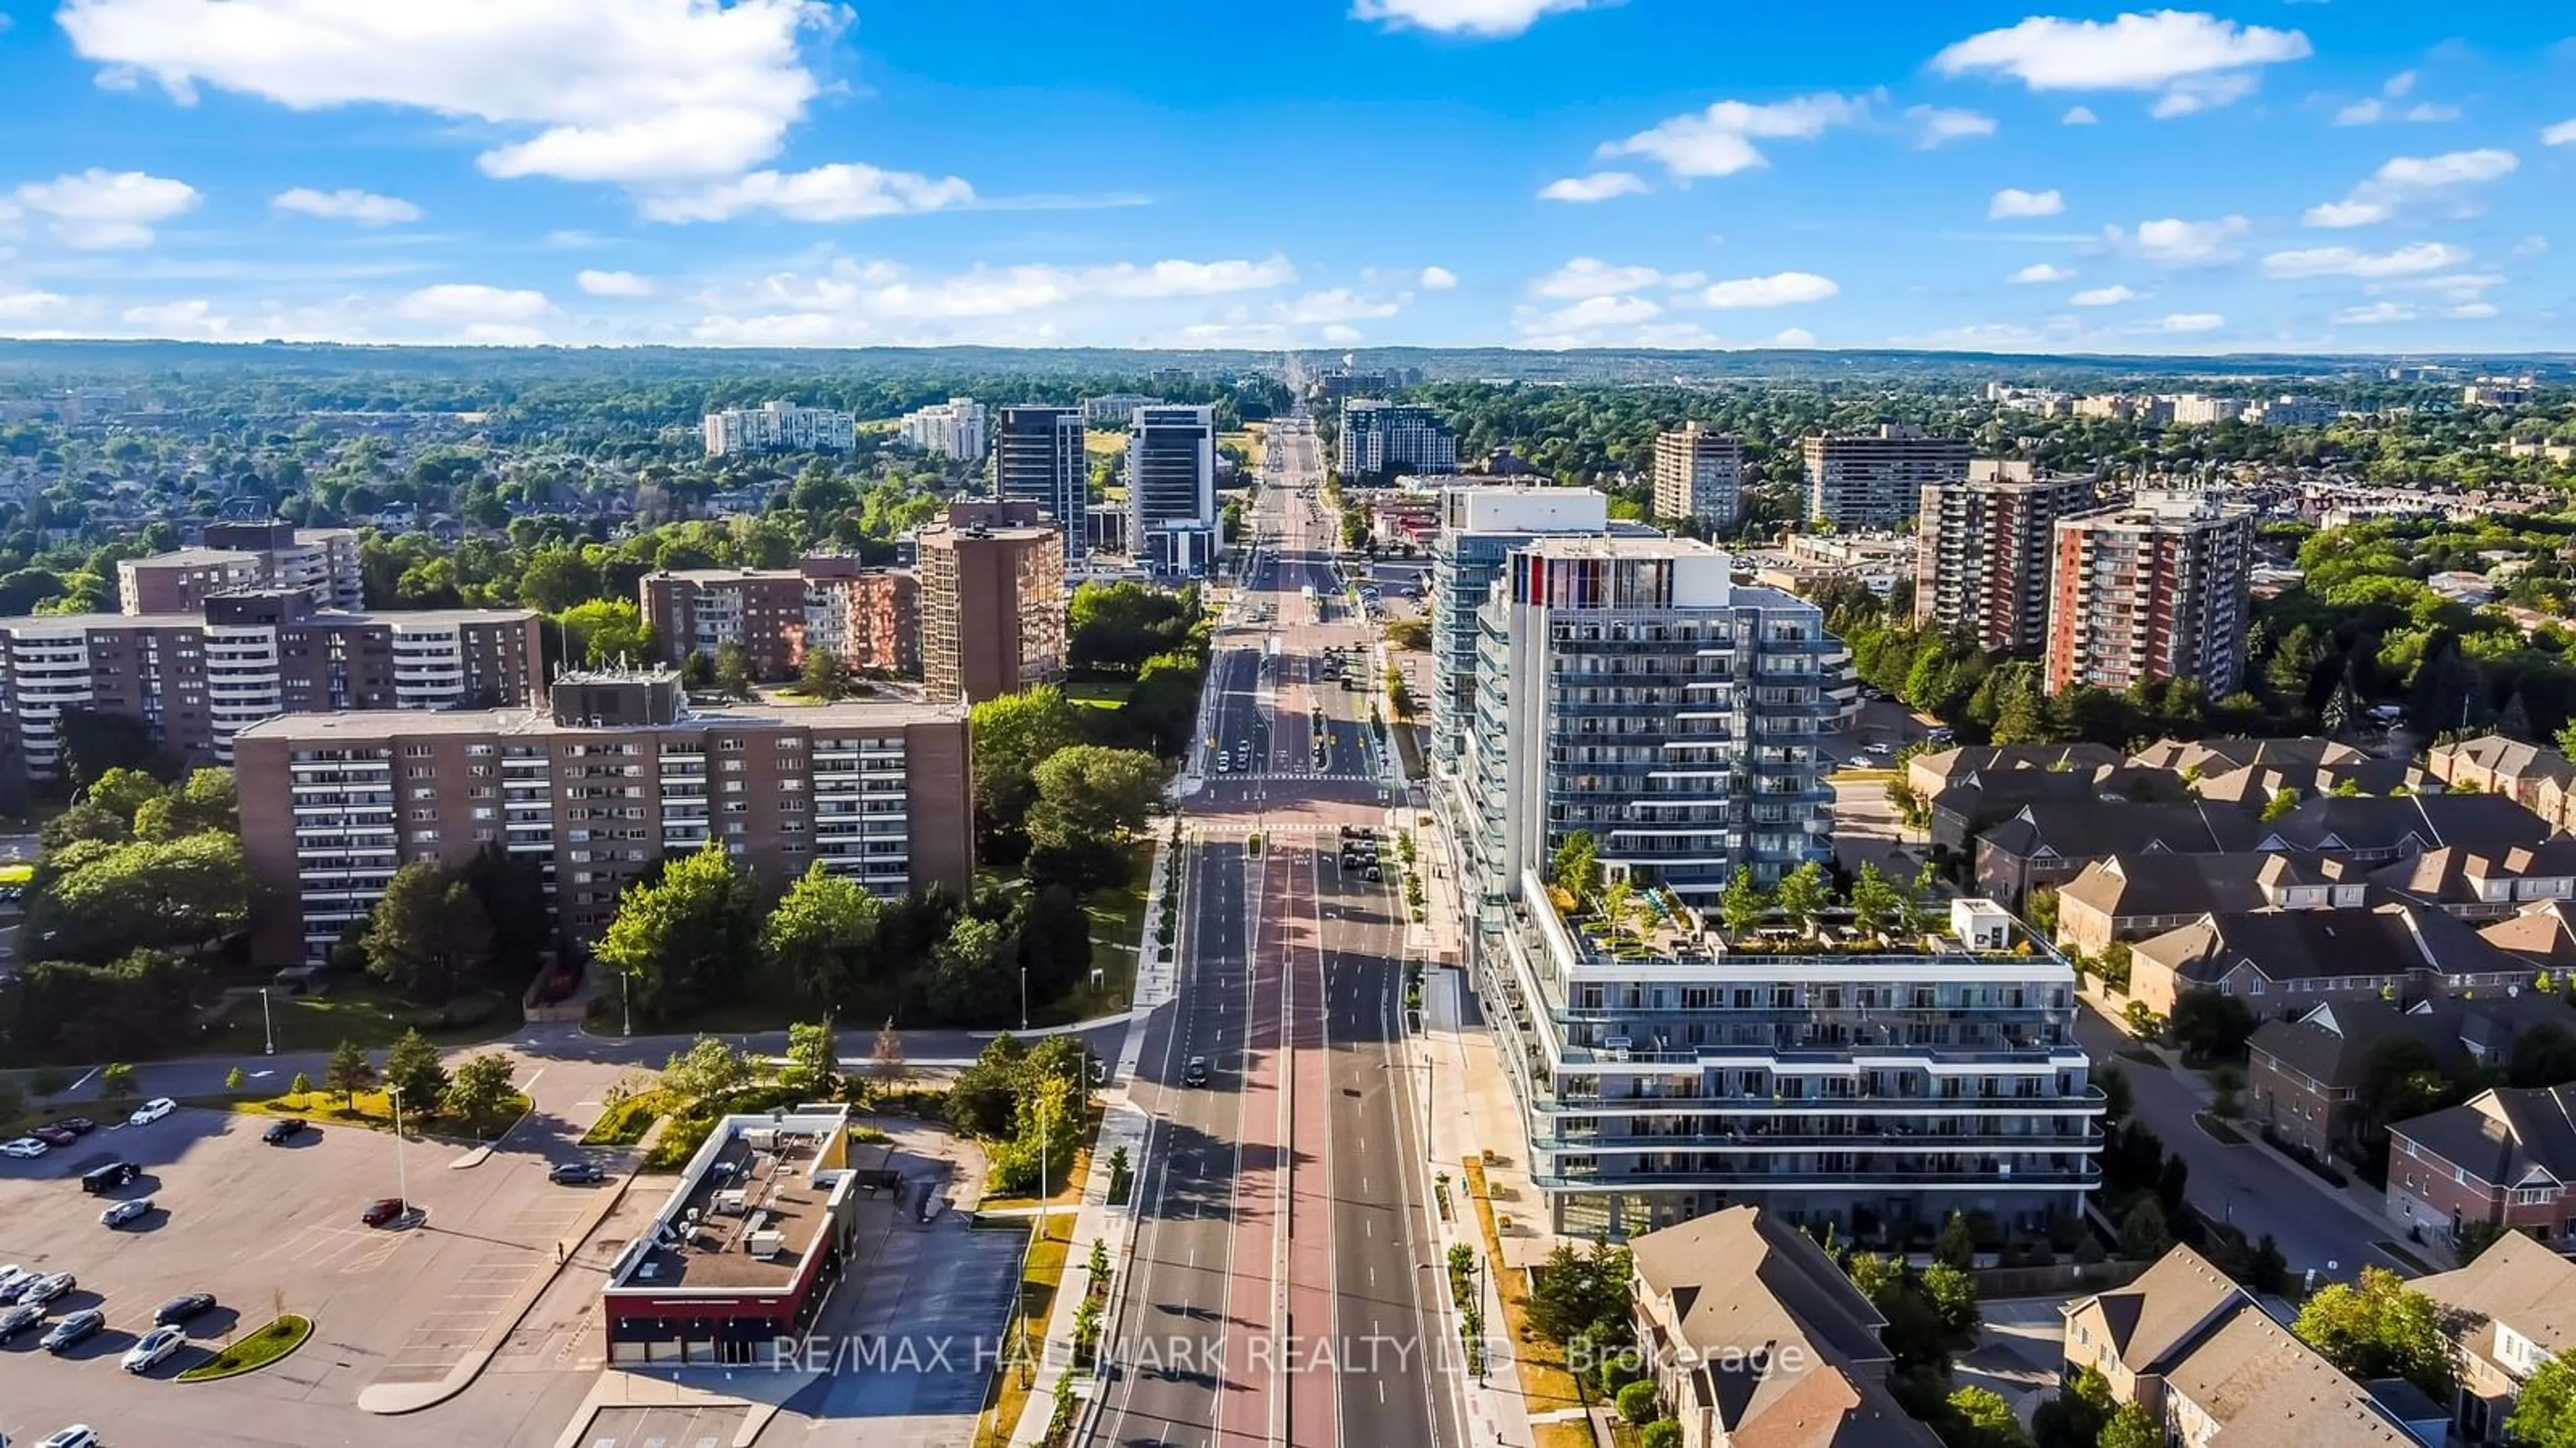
[(1024, 1341), (250, 1354), (1546, 1386)]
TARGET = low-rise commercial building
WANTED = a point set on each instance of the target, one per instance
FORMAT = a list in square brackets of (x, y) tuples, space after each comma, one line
[(595, 789)]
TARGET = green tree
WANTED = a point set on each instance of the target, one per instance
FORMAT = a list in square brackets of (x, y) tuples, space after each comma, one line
[(481, 1091), (122, 791), (203, 802), (2282, 802), (2076, 1416), (412, 1069), (886, 1062), (604, 631), (1575, 868), (2378, 1327), (1012, 736), (823, 675), (2143, 1234), (116, 1084), (1957, 1244), (813, 1058), (1744, 905), (348, 1072), (428, 936), (733, 671), (1804, 893), (233, 1079), (680, 941), (707, 1073), (2211, 1025), (1982, 1419), (302, 1085), (1091, 797), (1953, 1294), (2544, 1054), (2132, 1427), (1637, 1403), (820, 935), (2544, 1416), (1874, 901), (102, 901)]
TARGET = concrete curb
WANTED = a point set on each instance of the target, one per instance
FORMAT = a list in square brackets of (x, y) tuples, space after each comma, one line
[(395, 1399)]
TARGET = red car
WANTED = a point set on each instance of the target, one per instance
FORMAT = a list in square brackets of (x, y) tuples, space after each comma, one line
[(55, 1135), (383, 1210)]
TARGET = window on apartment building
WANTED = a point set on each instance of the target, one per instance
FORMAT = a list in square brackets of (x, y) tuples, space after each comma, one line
[(2534, 1196), (731, 766)]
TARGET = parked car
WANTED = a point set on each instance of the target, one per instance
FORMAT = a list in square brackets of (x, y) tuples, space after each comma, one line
[(125, 1211), (12, 1278), (182, 1307), (281, 1131), (77, 1125), (54, 1135), (152, 1347), (576, 1174), (383, 1210), (15, 1320), (152, 1111), (74, 1330), (109, 1177), (78, 1435), (25, 1148), (46, 1288)]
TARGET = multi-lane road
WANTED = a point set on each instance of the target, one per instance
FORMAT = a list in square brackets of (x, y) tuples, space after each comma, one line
[(1284, 1287)]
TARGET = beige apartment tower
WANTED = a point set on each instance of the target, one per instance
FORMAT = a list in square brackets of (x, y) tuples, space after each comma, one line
[(1699, 474)]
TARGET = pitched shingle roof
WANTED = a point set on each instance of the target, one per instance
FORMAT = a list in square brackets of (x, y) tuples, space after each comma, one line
[(2159, 1312), (2267, 1389), (2498, 754), (2505, 1136), (2091, 829), (2390, 937), (2517, 1282), (2332, 1042)]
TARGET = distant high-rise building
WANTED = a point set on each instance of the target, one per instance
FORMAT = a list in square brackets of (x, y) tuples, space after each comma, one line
[(1171, 489), (1379, 438), (2287, 411), (1038, 458), (1873, 481), (1983, 560), (866, 615), (1115, 409), (321, 563), (1479, 527), (2192, 409), (992, 603), (1699, 474), (958, 428), (778, 427), (2152, 589)]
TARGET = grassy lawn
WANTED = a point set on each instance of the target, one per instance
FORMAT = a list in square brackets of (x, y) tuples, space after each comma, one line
[(1546, 1387), (1101, 442), (374, 1110), (1117, 926), (1066, 1193), (1040, 1274), (350, 1012), (1247, 442), (17, 872), (254, 1352), (1099, 693), (625, 1123)]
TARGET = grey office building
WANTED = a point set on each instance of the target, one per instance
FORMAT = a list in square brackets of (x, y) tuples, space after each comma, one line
[(1038, 458), (1171, 489)]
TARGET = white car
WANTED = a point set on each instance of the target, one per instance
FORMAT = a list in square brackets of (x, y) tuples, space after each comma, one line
[(152, 1111), (13, 1277), (124, 1212), (78, 1435), (155, 1345), (24, 1148)]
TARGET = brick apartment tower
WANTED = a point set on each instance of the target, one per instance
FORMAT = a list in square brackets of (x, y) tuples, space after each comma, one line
[(992, 602)]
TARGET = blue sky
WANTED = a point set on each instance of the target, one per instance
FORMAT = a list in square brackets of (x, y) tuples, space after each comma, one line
[(2359, 175)]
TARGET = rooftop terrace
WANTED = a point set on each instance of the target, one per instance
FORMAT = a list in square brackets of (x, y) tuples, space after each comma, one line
[(749, 1207)]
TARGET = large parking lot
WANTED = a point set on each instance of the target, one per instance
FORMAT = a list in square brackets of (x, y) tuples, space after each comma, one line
[(263, 1227)]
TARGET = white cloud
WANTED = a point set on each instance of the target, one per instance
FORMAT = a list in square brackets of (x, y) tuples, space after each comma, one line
[(471, 302), (1795, 337), (2532, 245), (2425, 113), (1483, 18), (2040, 271), (2110, 296), (2342, 215), (2344, 261), (594, 90), (2399, 85), (1719, 140), (1780, 289), (2196, 61), (2175, 242), (2460, 288), (1585, 322), (614, 283), (2079, 116), (192, 318), (1437, 279), (365, 208), (1341, 336), (2414, 181), (1338, 304), (2562, 134), (2376, 313), (846, 191), (2471, 311), (98, 209), (1938, 125), (1587, 276), (31, 305), (2188, 322), (2361, 113), (2013, 201), (1599, 186)]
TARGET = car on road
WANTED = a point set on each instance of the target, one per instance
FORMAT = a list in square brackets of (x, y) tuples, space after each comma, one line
[(77, 1125), (46, 1288), (1224, 762), (25, 1148), (283, 1130), (74, 1330), (182, 1307), (576, 1174), (152, 1347), (13, 1277), (54, 1135), (152, 1111), (78, 1435), (109, 1177), (15, 1320), (1195, 1072), (384, 1210), (125, 1211)]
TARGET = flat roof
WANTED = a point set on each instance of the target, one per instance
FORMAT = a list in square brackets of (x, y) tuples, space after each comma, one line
[(322, 617), (788, 1169), (362, 725), (195, 558)]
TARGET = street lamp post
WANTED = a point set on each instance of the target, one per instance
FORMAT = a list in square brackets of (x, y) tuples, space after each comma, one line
[(402, 1180), (267, 1022), (1024, 1000)]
